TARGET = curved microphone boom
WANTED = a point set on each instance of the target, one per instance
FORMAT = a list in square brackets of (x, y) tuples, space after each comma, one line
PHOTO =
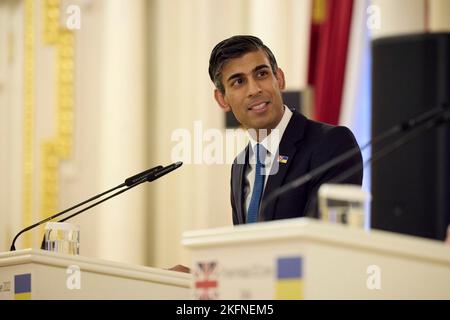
[(164, 171), (437, 115), (385, 151), (136, 179), (435, 122), (149, 178), (141, 176)]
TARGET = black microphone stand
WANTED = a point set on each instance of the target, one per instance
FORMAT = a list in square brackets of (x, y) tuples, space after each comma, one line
[(62, 212), (437, 121), (385, 151), (134, 180), (424, 118), (151, 176)]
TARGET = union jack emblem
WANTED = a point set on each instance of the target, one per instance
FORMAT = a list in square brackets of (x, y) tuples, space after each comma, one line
[(206, 283)]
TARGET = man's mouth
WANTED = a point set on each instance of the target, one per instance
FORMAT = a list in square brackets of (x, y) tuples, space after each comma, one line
[(259, 106)]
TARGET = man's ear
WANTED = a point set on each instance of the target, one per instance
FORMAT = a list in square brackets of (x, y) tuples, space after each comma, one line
[(221, 100), (280, 79)]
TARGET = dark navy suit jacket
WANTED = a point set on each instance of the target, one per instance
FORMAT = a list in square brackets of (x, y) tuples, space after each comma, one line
[(307, 144)]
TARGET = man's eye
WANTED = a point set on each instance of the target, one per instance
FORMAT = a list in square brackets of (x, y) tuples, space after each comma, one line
[(237, 82), (262, 73)]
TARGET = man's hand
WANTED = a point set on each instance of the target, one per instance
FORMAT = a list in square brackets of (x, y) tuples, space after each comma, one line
[(180, 268)]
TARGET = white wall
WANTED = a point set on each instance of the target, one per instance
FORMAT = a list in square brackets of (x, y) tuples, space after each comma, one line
[(408, 16), (11, 113), (439, 16), (399, 17), (182, 36)]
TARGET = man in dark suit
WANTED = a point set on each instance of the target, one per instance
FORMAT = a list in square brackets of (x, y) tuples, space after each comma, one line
[(284, 144)]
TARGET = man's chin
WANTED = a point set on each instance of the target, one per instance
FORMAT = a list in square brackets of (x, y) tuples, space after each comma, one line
[(257, 128), (262, 125), (259, 132)]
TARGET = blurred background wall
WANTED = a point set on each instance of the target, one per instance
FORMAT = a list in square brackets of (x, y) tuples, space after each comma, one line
[(84, 106)]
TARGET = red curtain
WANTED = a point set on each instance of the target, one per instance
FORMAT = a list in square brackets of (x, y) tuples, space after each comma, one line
[(330, 32)]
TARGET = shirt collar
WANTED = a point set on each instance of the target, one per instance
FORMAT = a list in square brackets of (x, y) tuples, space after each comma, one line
[(272, 141)]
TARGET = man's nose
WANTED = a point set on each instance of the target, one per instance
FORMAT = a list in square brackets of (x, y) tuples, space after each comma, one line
[(253, 87)]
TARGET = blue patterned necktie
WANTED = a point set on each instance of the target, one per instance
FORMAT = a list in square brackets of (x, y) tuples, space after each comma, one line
[(258, 186)]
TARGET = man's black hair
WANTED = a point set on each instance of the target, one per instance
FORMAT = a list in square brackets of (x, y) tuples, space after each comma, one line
[(235, 47)]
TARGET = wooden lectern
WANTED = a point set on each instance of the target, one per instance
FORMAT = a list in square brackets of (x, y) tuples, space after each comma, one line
[(39, 274), (311, 259)]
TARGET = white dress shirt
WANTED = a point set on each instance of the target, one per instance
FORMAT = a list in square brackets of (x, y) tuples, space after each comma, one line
[(271, 143)]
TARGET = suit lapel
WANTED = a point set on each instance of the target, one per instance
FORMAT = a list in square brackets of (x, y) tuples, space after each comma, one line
[(294, 132), (240, 198)]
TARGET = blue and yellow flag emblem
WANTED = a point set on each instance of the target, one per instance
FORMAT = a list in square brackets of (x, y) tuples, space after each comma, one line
[(22, 286), (289, 283), (283, 159)]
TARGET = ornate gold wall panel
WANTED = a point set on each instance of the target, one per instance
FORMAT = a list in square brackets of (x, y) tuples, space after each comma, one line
[(58, 147), (28, 119)]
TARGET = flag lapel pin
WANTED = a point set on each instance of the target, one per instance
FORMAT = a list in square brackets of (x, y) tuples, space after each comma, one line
[(283, 159)]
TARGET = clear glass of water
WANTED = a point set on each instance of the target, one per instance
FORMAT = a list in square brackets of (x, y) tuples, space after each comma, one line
[(62, 237), (344, 204)]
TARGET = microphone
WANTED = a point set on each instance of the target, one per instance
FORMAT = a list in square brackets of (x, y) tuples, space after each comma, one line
[(434, 122), (136, 179), (383, 152), (143, 175), (149, 178), (158, 174), (439, 114)]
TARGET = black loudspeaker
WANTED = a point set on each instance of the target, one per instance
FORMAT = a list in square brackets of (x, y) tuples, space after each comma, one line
[(411, 186)]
